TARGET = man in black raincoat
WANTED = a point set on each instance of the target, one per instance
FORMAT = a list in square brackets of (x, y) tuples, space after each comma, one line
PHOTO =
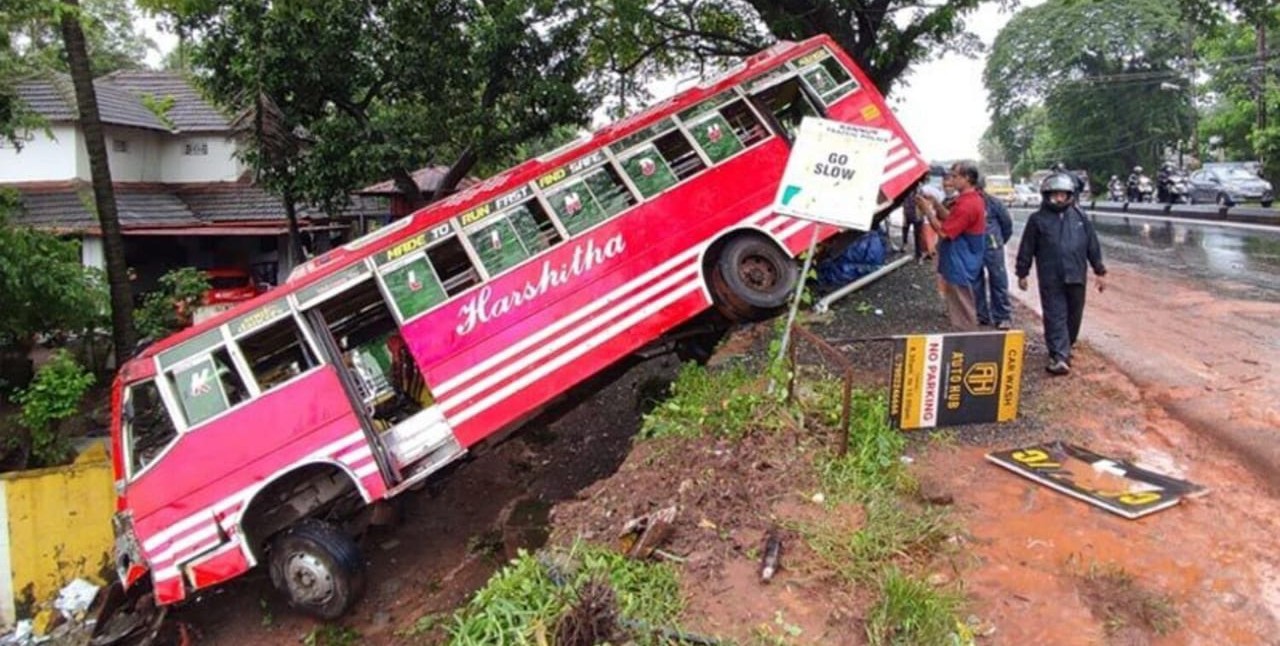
[(1060, 239)]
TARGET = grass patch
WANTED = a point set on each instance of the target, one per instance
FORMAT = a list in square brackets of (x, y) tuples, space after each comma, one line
[(1116, 598), (723, 402), (911, 612), (895, 533), (873, 463), (523, 603)]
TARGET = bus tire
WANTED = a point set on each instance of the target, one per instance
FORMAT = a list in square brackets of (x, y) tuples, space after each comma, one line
[(318, 568), (755, 278)]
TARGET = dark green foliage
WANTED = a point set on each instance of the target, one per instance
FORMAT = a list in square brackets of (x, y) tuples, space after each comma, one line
[(363, 91), (44, 289), (1104, 74), (53, 396), (169, 308)]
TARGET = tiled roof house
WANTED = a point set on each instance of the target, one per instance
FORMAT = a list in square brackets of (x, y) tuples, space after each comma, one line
[(179, 186)]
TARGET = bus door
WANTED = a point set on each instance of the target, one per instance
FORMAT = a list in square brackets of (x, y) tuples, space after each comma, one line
[(356, 330)]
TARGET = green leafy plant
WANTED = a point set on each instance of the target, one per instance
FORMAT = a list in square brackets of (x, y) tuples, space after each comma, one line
[(169, 308), (525, 598), (54, 395), (44, 288)]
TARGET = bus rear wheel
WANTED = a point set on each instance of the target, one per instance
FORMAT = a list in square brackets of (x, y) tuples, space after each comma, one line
[(318, 568), (753, 278)]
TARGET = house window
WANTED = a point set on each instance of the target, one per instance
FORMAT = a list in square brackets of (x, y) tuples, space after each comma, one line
[(198, 148), (120, 145)]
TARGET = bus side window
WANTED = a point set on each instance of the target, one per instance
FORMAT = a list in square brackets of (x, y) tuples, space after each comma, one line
[(452, 265), (207, 385), (830, 80), (583, 203), (277, 353), (514, 236), (727, 130), (657, 166), (148, 428), (789, 104)]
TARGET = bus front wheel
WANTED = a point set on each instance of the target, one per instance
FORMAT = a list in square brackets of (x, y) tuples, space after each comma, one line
[(754, 278), (318, 568)]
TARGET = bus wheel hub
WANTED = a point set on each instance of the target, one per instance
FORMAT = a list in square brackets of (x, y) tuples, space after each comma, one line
[(308, 579)]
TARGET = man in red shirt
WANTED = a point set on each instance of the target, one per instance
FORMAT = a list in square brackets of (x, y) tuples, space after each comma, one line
[(961, 227)]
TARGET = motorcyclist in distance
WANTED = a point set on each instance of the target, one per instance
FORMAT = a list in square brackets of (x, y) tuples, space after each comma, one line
[(1115, 187)]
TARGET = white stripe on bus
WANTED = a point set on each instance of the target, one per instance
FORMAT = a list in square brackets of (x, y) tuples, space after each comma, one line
[(367, 470), (579, 350), (899, 169), (677, 276), (206, 514), (896, 155), (467, 375), (184, 544)]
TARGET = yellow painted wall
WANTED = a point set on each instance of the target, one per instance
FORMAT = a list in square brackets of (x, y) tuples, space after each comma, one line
[(59, 525)]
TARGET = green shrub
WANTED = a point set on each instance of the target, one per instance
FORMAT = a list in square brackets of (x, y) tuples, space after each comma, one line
[(54, 395), (169, 308)]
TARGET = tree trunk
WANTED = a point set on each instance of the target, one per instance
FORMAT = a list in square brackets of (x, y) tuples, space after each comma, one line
[(104, 197), (295, 236), (412, 194), (466, 161)]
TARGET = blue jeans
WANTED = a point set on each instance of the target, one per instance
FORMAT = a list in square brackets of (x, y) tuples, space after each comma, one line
[(995, 278)]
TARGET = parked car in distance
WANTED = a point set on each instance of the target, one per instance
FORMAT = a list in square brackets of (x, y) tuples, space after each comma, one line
[(227, 286), (1228, 186), (1000, 187), (1025, 195)]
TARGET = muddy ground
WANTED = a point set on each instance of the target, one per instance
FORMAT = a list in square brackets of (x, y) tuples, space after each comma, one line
[(1035, 566)]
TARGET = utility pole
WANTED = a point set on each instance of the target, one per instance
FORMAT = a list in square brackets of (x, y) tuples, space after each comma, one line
[(1191, 93), (1262, 75)]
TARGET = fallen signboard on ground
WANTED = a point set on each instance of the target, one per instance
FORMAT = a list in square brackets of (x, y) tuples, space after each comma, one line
[(1117, 486)]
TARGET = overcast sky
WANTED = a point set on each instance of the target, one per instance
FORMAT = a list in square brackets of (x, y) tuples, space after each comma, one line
[(944, 109)]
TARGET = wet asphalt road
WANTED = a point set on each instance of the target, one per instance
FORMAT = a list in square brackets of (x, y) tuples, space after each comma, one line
[(1246, 254)]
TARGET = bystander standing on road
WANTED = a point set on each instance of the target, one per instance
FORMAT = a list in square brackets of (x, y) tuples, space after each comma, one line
[(911, 224), (960, 227), (1060, 240), (991, 290)]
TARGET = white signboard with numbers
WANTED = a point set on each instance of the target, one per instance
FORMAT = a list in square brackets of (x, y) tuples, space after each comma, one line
[(833, 174)]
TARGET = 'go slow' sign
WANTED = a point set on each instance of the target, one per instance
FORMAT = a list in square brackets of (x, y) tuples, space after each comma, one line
[(833, 174)]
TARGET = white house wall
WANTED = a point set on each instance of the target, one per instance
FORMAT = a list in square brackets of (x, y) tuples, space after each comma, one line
[(140, 160), (181, 159), (150, 156), (46, 157)]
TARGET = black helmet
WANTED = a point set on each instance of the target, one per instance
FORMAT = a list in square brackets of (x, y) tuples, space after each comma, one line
[(1166, 166), (1057, 183)]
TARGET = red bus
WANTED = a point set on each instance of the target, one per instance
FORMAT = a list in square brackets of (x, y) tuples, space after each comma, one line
[(238, 440)]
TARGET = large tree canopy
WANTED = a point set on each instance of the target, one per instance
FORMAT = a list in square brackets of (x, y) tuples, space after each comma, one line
[(886, 37), (377, 88), (1095, 84)]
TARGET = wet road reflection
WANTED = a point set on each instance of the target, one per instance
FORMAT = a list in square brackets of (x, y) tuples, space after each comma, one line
[(1210, 252)]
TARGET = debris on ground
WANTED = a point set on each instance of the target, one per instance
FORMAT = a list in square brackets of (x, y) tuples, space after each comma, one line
[(771, 561), (644, 534)]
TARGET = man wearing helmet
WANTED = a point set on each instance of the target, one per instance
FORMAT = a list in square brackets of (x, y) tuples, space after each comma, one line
[(960, 251), (1060, 239)]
